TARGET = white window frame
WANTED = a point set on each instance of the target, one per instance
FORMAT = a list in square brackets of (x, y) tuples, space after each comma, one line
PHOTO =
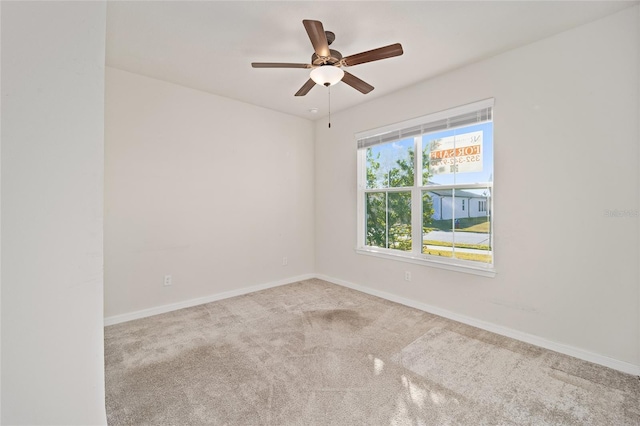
[(415, 255)]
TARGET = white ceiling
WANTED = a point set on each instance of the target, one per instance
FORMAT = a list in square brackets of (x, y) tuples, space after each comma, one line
[(209, 45)]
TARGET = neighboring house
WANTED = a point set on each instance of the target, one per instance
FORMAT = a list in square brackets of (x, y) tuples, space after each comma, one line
[(467, 204)]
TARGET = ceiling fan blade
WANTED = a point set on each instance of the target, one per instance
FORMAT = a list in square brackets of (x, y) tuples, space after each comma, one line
[(305, 88), (279, 65), (356, 83), (373, 55), (318, 38)]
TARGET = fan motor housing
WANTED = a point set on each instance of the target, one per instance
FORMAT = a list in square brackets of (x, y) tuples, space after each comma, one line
[(333, 59)]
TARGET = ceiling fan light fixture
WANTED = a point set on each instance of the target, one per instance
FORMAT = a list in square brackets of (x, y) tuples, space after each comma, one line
[(326, 75)]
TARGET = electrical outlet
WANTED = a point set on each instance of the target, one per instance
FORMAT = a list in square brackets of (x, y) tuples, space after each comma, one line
[(285, 261), (167, 280), (407, 276)]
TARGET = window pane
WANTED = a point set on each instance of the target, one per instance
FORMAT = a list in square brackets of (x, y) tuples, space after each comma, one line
[(376, 215), (388, 220), (473, 231), (437, 222), (400, 220), (457, 224), (463, 155), (390, 165)]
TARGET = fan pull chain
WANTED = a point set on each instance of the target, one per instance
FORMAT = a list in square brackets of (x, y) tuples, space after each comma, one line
[(329, 106)]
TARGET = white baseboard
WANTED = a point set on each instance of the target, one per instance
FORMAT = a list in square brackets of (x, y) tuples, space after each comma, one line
[(117, 319), (494, 328)]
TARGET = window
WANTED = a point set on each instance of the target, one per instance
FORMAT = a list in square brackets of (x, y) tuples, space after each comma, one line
[(425, 189)]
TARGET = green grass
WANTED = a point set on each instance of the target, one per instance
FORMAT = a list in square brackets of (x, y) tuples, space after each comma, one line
[(486, 258), (467, 224), (484, 228), (458, 245)]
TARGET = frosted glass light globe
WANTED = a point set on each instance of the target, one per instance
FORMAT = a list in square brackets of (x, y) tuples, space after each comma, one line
[(326, 75)]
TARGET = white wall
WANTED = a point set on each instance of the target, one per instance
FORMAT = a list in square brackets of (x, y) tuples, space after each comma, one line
[(566, 129), (212, 191), (52, 165)]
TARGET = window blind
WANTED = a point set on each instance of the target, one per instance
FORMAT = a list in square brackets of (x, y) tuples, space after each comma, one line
[(475, 113)]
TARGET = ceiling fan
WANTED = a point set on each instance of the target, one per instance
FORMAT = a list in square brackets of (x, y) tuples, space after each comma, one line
[(326, 64)]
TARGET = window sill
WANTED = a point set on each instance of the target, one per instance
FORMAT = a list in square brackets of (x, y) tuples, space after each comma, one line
[(488, 271)]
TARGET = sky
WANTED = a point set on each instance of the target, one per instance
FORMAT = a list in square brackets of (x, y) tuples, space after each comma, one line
[(391, 152)]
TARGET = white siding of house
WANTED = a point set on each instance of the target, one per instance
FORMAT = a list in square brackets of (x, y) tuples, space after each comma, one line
[(444, 212), (437, 201), (473, 209)]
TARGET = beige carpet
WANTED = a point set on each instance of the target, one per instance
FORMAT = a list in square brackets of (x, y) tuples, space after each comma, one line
[(313, 353)]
